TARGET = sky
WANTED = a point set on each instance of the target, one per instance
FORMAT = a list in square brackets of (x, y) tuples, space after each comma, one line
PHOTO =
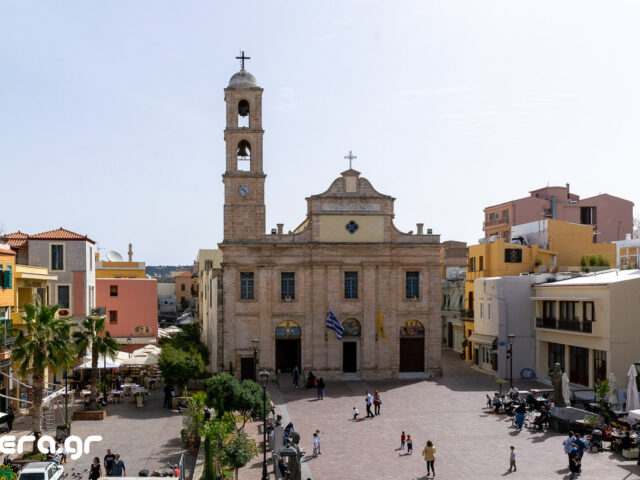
[(112, 113)]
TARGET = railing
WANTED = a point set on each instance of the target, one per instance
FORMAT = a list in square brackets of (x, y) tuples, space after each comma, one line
[(98, 311), (467, 314), (495, 221), (568, 325)]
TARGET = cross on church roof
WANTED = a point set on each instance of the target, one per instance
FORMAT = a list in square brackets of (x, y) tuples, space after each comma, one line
[(350, 157), (243, 58)]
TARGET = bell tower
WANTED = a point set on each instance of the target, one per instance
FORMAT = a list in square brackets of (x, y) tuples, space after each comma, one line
[(244, 210)]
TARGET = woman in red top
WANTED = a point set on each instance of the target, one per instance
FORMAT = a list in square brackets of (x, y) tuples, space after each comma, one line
[(377, 402)]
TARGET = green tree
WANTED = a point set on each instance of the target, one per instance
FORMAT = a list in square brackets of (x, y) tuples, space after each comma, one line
[(225, 386), (93, 336), (249, 402), (43, 345), (188, 340), (239, 451), (216, 432), (178, 367)]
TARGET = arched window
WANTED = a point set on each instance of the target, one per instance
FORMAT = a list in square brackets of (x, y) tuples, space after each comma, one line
[(289, 329), (351, 328), (244, 156), (243, 114)]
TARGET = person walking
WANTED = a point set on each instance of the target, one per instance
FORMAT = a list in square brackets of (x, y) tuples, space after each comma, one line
[(567, 447), (369, 401), (319, 434), (512, 459), (118, 469), (10, 417), (403, 437), (316, 445), (167, 397), (296, 376), (320, 386), (409, 445), (376, 402), (429, 454), (95, 471), (108, 462)]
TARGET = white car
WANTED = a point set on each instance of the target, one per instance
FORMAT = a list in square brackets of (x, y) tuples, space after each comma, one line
[(41, 471)]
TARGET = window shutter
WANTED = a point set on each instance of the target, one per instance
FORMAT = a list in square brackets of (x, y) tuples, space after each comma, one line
[(8, 281), (1, 278)]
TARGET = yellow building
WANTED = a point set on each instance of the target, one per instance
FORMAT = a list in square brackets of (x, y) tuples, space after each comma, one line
[(542, 246), (7, 269), (31, 284)]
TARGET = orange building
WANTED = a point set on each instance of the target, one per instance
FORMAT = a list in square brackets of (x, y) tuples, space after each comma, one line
[(186, 288)]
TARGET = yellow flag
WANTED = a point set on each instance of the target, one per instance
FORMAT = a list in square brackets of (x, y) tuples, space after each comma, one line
[(380, 329)]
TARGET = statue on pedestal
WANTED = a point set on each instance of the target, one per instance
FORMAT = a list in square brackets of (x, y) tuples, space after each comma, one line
[(556, 381)]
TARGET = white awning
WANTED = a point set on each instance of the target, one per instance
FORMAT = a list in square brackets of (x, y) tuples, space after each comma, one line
[(634, 414), (482, 338)]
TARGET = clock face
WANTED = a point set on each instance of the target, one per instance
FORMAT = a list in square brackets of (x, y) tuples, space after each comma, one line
[(243, 190)]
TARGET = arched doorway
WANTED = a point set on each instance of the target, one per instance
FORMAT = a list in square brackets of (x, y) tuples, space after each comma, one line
[(350, 341), (288, 335), (412, 346)]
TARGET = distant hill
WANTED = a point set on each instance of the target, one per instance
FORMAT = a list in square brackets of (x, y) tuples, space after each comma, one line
[(165, 270)]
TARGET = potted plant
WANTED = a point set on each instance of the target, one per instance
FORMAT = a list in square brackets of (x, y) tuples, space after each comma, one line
[(630, 453)]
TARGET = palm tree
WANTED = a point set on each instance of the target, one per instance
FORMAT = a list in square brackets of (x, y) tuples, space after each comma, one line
[(93, 336), (43, 345)]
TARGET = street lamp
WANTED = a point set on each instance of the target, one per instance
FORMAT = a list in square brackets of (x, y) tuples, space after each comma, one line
[(264, 381), (511, 337), (129, 343), (255, 342)]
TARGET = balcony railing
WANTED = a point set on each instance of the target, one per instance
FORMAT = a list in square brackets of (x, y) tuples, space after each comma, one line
[(496, 221), (468, 314), (568, 325)]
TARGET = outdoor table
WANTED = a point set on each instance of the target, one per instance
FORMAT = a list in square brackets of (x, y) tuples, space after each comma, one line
[(86, 393), (117, 395)]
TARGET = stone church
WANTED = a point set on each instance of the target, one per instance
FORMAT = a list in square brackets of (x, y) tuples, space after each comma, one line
[(347, 257)]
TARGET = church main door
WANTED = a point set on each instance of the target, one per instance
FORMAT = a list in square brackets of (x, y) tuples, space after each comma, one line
[(349, 357), (412, 347), (288, 346)]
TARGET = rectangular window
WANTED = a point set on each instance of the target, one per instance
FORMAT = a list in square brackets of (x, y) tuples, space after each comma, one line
[(549, 309), (481, 309), (513, 255), (288, 285), (588, 215), (182, 287), (472, 264), (57, 257), (351, 285), (113, 290), (412, 285), (90, 259), (63, 296), (246, 286), (588, 312), (556, 355), (113, 316), (568, 311), (481, 264), (505, 215), (489, 311), (599, 365)]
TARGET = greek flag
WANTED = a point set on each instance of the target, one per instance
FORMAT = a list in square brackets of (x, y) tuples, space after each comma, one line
[(334, 324)]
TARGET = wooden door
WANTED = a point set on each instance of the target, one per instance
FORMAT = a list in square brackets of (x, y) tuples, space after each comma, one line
[(412, 354), (349, 357), (246, 368)]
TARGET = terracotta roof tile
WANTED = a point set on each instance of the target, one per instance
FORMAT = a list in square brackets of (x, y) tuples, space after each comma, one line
[(60, 234), (7, 251), (17, 239)]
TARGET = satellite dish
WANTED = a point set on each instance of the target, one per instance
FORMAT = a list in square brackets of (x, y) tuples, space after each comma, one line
[(114, 256)]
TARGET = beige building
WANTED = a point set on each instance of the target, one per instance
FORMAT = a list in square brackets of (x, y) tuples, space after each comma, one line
[(589, 325), (346, 257), (209, 268)]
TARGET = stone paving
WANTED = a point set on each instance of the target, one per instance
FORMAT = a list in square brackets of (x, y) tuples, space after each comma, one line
[(470, 441), (146, 437)]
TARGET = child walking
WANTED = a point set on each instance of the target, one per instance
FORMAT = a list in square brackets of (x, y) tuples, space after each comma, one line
[(402, 439), (316, 445), (319, 434), (409, 445), (355, 413), (512, 459)]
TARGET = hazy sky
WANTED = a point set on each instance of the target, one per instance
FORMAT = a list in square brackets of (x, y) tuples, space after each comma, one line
[(112, 112)]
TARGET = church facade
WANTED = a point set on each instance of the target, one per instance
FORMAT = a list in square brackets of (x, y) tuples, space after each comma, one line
[(346, 257)]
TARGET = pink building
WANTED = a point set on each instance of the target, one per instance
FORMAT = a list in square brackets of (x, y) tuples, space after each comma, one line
[(131, 308), (611, 217)]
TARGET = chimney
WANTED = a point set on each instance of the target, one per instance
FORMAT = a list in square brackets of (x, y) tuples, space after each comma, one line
[(420, 227), (130, 252), (280, 227), (567, 190)]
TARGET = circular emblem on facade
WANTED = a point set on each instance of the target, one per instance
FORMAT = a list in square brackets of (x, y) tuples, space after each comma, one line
[(243, 190), (351, 227)]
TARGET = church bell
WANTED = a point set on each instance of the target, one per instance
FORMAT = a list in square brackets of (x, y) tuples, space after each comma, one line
[(243, 151)]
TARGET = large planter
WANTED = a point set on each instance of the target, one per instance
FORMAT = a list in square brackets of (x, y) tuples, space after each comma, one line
[(90, 414), (630, 453)]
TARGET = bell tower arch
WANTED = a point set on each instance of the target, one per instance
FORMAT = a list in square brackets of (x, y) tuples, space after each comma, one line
[(244, 209)]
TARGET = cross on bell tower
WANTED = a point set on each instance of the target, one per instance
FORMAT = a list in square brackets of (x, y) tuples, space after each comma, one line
[(242, 58), (350, 157)]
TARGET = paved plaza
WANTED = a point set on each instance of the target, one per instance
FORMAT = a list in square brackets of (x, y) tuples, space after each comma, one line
[(471, 442), (146, 437)]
